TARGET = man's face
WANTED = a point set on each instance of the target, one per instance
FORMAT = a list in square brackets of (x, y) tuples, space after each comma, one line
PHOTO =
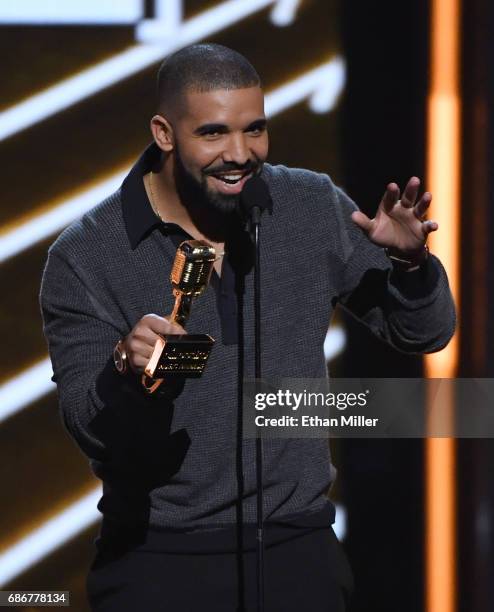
[(221, 141)]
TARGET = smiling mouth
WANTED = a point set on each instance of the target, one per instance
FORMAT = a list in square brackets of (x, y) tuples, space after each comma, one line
[(231, 178)]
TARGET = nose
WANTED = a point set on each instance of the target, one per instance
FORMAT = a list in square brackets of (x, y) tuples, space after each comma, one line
[(237, 150)]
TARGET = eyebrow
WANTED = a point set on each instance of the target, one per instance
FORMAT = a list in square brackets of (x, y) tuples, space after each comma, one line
[(223, 129)]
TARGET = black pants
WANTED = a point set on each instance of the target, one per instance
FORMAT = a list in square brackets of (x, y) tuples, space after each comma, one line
[(309, 572)]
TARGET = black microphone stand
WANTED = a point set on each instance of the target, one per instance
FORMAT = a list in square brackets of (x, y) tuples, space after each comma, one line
[(254, 199), (255, 229), (256, 222)]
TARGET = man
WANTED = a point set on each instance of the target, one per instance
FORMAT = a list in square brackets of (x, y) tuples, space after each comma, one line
[(179, 489)]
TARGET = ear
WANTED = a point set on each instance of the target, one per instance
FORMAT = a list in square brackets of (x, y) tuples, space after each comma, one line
[(162, 133)]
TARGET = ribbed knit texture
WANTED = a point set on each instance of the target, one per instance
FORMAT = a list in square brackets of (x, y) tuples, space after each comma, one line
[(176, 465)]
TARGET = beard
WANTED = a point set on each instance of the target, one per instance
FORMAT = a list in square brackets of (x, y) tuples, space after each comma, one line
[(197, 193)]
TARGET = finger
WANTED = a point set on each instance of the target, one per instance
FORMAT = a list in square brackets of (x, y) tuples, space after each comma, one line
[(160, 325), (139, 348), (422, 205), (154, 323), (147, 335), (390, 197), (429, 226), (138, 364), (362, 220), (411, 191)]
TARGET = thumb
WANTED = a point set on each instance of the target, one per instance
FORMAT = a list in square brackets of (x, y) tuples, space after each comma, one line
[(362, 220)]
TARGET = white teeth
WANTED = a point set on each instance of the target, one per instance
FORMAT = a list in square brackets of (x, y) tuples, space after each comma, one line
[(231, 179)]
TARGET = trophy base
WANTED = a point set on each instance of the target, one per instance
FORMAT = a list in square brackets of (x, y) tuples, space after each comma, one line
[(179, 355)]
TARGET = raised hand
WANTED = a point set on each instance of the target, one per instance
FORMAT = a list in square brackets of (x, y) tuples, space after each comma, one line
[(399, 224)]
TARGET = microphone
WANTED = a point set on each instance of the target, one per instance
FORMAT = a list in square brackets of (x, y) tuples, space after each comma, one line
[(190, 275), (254, 199)]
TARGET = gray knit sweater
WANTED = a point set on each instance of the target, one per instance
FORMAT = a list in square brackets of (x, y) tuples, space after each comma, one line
[(179, 462)]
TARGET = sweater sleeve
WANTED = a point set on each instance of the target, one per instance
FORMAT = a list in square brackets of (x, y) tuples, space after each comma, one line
[(95, 401), (412, 311)]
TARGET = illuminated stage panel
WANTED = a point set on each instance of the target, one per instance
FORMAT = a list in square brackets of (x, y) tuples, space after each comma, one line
[(158, 40), (50, 472), (49, 536), (37, 63)]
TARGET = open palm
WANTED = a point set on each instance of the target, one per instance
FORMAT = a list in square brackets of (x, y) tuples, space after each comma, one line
[(399, 223)]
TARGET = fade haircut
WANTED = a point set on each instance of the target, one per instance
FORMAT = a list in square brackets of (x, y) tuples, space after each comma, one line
[(201, 68)]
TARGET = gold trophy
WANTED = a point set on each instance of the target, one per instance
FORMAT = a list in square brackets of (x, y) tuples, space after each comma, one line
[(183, 354)]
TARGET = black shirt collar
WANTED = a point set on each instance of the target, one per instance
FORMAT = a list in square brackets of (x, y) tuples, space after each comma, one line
[(139, 217)]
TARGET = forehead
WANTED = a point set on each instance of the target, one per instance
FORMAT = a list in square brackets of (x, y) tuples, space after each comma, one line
[(226, 106)]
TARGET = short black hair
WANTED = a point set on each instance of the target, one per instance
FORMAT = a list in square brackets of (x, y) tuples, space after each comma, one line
[(201, 68)]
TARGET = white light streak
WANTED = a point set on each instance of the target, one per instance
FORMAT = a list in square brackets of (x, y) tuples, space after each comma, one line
[(334, 343), (169, 14), (54, 533), (204, 25), (322, 86), (73, 89), (284, 12), (60, 12), (26, 388), (169, 9), (47, 224), (320, 81)]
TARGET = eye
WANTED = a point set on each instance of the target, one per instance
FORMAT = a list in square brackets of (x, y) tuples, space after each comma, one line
[(257, 130), (212, 134)]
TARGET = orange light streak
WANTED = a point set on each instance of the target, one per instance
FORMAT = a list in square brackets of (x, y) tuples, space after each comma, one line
[(443, 179)]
